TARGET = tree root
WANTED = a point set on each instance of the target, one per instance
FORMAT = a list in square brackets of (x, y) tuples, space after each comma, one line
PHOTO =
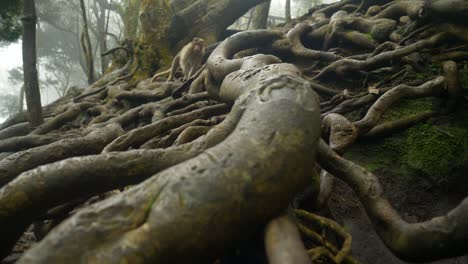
[(166, 217), (25, 142), (438, 238), (283, 242), (339, 132), (338, 256), (431, 88), (20, 129), (139, 136), (346, 66), (391, 127), (298, 49), (191, 133), (166, 141), (70, 114), (93, 143), (94, 174)]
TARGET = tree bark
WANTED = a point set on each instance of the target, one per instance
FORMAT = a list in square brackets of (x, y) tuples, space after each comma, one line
[(260, 16), (86, 45), (31, 83), (287, 11), (162, 35), (102, 18), (21, 99)]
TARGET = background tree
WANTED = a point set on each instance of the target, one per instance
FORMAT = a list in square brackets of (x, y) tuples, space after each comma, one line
[(86, 47), (260, 15), (31, 83), (161, 36), (287, 11)]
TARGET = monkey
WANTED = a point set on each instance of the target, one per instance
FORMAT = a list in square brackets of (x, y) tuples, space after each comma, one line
[(188, 59)]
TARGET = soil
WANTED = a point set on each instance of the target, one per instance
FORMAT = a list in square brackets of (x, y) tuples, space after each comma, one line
[(418, 201)]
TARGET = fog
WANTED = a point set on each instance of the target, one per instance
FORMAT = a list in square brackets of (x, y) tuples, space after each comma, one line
[(11, 58)]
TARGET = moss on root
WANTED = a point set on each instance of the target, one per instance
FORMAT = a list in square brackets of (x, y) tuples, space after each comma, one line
[(407, 107), (435, 149)]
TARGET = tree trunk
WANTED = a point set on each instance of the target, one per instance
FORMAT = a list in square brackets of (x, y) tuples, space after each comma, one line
[(131, 19), (162, 35), (287, 11), (260, 15), (21, 99), (86, 45), (102, 18), (31, 84)]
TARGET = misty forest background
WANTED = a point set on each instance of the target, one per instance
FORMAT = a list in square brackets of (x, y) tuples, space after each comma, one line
[(61, 64)]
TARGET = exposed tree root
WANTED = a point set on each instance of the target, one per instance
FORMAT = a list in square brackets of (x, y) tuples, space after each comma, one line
[(183, 132), (337, 257), (204, 170), (437, 238), (70, 114), (17, 130), (154, 214), (431, 88), (283, 242), (294, 37), (25, 142), (93, 143), (391, 127), (345, 66), (94, 174), (139, 136)]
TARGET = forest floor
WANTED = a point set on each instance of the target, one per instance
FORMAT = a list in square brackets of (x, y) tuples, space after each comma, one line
[(423, 169)]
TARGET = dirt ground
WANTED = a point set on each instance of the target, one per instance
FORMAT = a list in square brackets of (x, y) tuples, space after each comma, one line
[(418, 201)]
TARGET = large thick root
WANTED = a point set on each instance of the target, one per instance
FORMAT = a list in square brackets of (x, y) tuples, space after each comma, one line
[(196, 208)]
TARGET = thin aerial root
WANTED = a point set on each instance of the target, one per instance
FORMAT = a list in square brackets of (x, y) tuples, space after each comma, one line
[(325, 222)]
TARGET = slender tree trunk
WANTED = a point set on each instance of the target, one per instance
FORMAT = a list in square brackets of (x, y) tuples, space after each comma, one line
[(21, 99), (250, 19), (86, 45), (31, 84), (287, 11), (102, 20), (260, 15)]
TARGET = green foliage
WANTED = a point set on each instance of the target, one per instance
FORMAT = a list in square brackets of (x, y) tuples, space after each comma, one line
[(10, 21)]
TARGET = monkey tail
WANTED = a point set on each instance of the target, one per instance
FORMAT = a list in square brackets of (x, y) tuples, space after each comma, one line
[(160, 74)]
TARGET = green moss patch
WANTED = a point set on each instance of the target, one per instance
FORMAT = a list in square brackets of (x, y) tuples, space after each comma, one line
[(407, 107), (436, 151), (463, 75)]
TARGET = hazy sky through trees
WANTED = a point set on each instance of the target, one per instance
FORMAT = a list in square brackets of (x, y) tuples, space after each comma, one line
[(11, 57)]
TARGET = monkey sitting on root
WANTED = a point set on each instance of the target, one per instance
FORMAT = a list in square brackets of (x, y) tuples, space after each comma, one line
[(188, 59)]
